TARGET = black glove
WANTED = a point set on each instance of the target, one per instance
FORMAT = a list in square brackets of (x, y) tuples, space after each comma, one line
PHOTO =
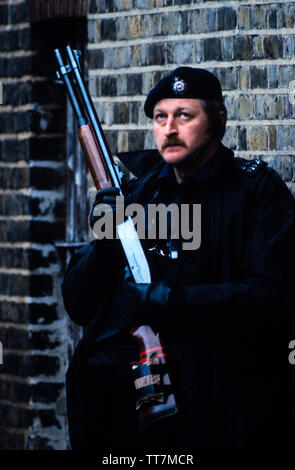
[(106, 204), (149, 302)]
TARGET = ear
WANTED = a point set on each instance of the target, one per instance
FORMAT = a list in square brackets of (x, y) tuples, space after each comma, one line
[(222, 117)]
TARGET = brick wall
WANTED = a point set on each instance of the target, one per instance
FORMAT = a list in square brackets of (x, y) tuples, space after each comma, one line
[(33, 326), (249, 45)]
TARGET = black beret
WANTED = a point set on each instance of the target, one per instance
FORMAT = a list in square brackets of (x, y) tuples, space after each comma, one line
[(184, 82)]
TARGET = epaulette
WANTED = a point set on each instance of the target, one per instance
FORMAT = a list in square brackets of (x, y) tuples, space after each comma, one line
[(250, 167)]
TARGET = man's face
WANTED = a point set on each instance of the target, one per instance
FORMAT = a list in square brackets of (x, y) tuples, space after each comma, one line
[(181, 129)]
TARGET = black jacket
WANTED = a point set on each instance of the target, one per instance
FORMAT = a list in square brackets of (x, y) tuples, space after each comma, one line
[(227, 336)]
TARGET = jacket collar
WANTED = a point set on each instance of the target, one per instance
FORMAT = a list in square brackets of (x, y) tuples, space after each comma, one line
[(141, 163)]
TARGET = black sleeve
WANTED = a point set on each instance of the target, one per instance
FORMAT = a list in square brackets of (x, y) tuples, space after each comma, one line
[(268, 270), (91, 273)]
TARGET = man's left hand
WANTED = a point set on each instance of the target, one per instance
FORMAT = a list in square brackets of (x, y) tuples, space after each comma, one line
[(150, 301)]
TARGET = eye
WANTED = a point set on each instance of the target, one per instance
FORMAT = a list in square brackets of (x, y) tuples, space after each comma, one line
[(184, 115), (159, 117)]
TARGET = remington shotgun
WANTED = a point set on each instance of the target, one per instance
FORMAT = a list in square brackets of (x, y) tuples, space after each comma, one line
[(155, 399)]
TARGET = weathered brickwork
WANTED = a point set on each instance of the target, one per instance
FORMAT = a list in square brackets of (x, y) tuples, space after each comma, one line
[(33, 328), (249, 45)]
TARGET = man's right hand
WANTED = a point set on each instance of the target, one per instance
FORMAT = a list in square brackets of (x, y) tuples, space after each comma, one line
[(107, 204)]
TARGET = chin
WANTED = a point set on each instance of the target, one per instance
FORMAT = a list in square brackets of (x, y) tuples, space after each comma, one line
[(173, 158)]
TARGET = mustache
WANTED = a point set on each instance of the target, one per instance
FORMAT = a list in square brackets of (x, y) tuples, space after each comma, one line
[(172, 141)]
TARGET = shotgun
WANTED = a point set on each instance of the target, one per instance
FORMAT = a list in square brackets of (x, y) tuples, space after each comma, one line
[(155, 398)]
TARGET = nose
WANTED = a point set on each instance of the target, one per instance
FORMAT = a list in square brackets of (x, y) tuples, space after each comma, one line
[(171, 126)]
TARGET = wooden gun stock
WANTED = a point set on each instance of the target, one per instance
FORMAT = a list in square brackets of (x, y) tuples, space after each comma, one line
[(155, 398)]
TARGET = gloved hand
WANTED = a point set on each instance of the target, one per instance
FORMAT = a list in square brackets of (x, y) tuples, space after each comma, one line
[(149, 302), (106, 205)]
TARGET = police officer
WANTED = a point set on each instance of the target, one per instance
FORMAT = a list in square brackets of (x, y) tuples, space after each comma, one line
[(224, 309)]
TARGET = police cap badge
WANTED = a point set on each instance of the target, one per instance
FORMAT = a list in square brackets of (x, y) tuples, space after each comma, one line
[(178, 86)]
